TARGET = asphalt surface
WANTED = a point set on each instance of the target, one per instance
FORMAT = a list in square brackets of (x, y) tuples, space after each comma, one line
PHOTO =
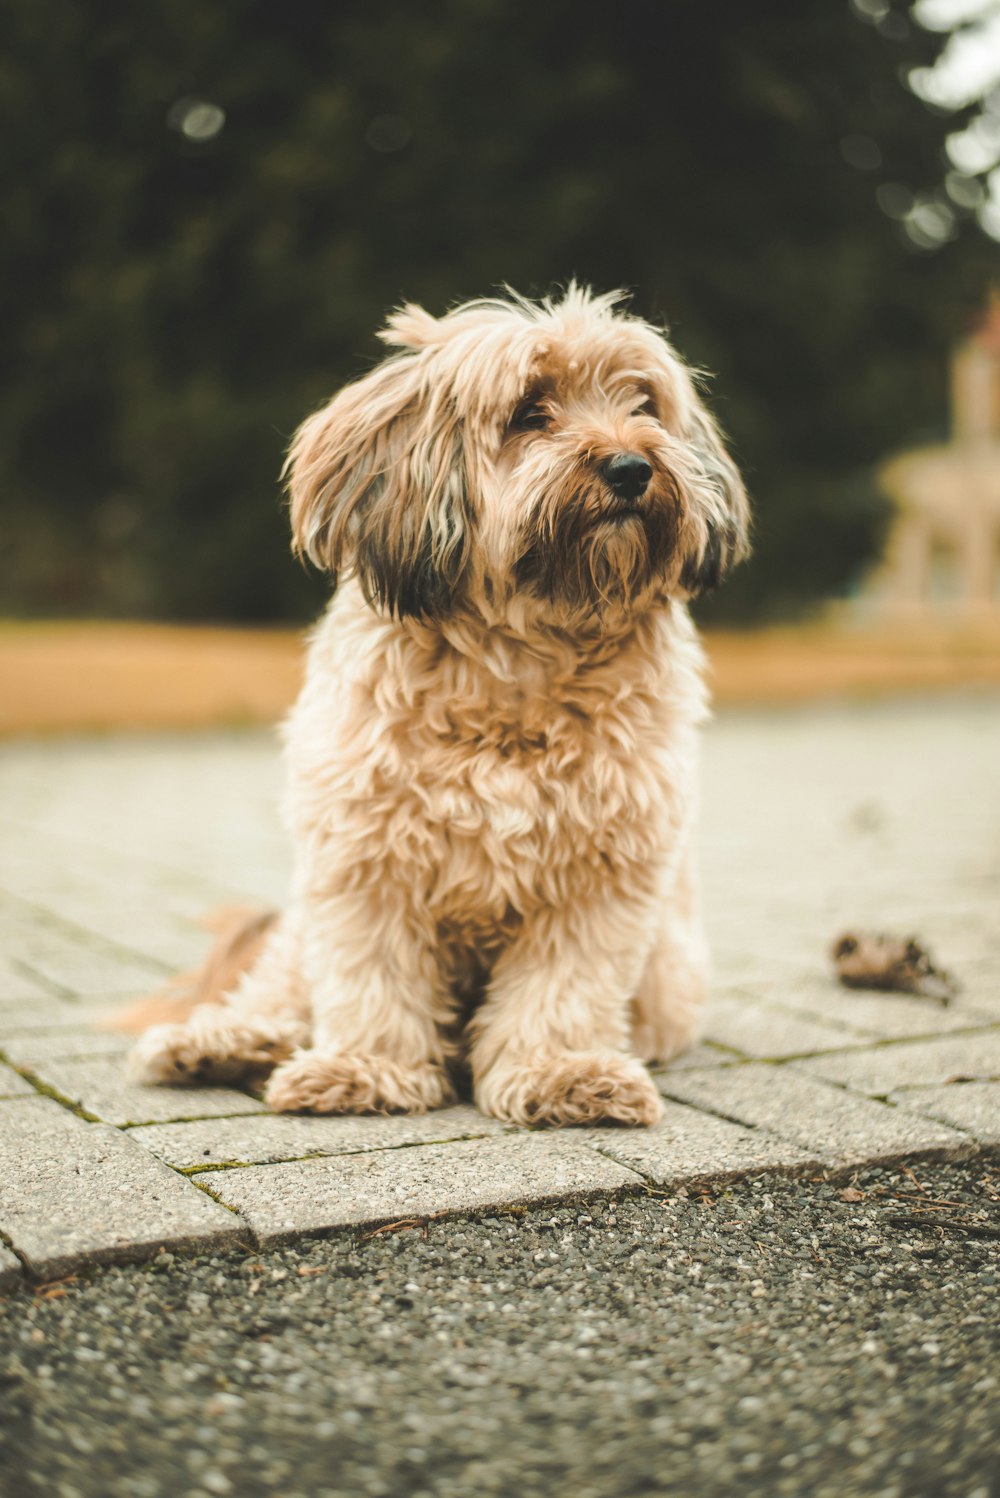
[(773, 1337)]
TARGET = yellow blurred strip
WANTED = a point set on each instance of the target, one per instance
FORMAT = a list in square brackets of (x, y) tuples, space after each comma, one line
[(96, 677)]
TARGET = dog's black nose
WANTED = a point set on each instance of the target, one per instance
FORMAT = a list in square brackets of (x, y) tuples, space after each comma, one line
[(628, 474)]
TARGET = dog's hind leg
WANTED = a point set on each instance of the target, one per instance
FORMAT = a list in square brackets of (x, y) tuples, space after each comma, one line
[(668, 1005), (257, 1025)]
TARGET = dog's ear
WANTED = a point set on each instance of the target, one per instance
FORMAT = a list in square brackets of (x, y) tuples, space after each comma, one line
[(721, 532), (378, 487)]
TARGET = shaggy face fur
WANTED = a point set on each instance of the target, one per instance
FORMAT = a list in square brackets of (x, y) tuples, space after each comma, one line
[(492, 761), (470, 469)]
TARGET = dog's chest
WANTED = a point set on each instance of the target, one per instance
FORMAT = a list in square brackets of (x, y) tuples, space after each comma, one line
[(490, 814)]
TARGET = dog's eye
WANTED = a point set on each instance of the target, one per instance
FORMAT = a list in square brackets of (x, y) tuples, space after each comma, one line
[(530, 416), (647, 407)]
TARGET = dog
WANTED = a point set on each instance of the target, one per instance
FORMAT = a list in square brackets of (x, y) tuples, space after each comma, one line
[(492, 764)]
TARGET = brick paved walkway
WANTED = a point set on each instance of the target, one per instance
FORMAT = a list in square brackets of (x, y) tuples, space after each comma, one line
[(887, 816)]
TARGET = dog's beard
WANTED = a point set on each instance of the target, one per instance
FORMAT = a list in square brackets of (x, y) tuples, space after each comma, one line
[(589, 549)]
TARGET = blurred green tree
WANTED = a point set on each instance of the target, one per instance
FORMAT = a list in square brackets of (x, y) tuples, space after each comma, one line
[(208, 209)]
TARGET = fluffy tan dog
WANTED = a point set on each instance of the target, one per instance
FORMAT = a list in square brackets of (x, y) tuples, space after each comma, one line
[(492, 763)]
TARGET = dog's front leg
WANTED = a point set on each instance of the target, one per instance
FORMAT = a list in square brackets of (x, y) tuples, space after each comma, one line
[(671, 995), (550, 1039), (380, 1012)]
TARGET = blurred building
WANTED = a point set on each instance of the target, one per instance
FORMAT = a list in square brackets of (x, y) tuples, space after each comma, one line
[(942, 558)]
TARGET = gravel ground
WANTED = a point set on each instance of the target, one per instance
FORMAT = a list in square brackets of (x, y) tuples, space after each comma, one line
[(773, 1337)]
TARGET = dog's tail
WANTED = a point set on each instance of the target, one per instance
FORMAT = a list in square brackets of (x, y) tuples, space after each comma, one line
[(240, 935)]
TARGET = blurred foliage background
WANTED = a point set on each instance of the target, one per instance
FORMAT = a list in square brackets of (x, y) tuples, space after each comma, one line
[(209, 208)]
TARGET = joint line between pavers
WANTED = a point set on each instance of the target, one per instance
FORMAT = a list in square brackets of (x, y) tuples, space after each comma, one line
[(44, 1089), (736, 1173), (150, 1123), (648, 1182), (733, 1118), (8, 1243), (730, 1176), (212, 1197), (865, 1039), (92, 941), (877, 1041), (57, 990), (886, 1042), (729, 1055), (768, 1131), (993, 1077), (968, 1147), (360, 1149), (885, 1098), (841, 1050), (215, 892), (780, 1009), (862, 1043)]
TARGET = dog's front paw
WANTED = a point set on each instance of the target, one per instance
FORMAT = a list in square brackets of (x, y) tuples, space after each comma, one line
[(214, 1046), (578, 1087), (352, 1082)]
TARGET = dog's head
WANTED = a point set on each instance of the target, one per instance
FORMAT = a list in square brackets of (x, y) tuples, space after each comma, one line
[(555, 453)]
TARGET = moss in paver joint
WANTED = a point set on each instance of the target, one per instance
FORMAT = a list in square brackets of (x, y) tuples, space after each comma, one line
[(380, 1149), (148, 1123), (728, 1055), (201, 1170), (44, 1090), (8, 1243), (212, 1196)]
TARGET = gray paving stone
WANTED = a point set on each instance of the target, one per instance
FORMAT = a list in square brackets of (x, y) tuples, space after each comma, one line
[(15, 983), (789, 860), (973, 1106), (282, 1201), (788, 940), (24, 931), (12, 1085), (701, 1055), (85, 970), (690, 1145), (981, 986), (36, 1016), (964, 934), (267, 1137), (10, 1271), (166, 940), (34, 1050), (821, 1119), (739, 969), (882, 1015), (762, 1032), (100, 1087), (916, 1063), (78, 1193)]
